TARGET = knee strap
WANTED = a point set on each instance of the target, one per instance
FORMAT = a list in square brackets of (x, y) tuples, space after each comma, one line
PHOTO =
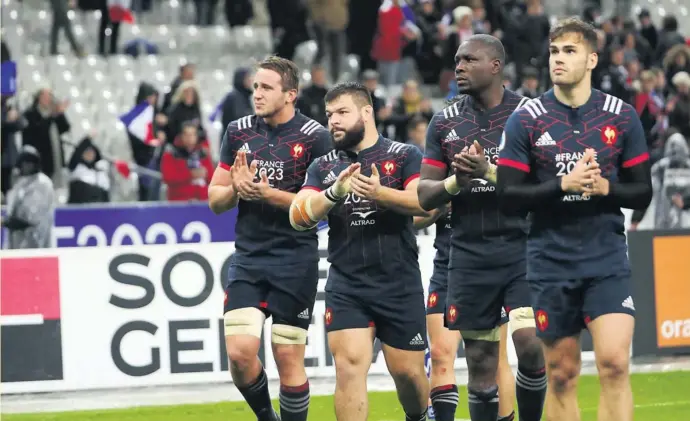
[(244, 321), (288, 335), (522, 318)]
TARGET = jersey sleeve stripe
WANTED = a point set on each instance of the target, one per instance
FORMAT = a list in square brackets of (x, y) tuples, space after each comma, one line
[(224, 166), (316, 189), (636, 160), (513, 164), (522, 102), (435, 163), (410, 179)]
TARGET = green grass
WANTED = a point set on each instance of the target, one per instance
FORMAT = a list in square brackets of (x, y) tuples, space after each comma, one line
[(658, 397)]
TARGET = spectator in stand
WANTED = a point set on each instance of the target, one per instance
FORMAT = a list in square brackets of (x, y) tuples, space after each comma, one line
[(30, 204), (89, 178), (678, 107), (530, 83), (108, 28), (238, 103), (677, 60), (647, 29), (428, 58), (416, 131), (61, 21), (310, 101), (142, 152), (530, 32), (12, 123), (187, 72), (390, 40), (370, 79), (45, 124), (186, 166), (410, 104), (185, 108), (459, 31), (330, 19), (649, 107), (668, 38), (614, 79)]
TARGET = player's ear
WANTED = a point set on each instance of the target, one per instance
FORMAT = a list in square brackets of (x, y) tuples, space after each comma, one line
[(592, 61), (292, 96), (496, 66), (367, 113)]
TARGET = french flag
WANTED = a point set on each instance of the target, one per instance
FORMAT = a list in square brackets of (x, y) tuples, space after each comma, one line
[(139, 123), (120, 11)]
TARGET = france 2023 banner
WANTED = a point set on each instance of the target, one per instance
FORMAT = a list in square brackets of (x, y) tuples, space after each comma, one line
[(138, 224)]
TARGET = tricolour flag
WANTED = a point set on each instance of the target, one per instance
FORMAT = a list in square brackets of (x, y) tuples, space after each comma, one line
[(139, 123)]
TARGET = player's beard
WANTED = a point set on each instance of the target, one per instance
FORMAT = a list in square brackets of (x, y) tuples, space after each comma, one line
[(351, 138)]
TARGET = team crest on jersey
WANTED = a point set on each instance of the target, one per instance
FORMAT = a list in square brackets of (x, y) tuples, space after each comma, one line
[(609, 134), (452, 314), (328, 316), (433, 300), (542, 320), (297, 150), (388, 167)]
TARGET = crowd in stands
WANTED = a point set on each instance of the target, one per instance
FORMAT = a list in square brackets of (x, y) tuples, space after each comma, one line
[(405, 53)]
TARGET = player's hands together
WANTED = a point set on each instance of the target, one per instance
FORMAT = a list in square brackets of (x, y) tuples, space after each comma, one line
[(255, 191), (366, 187), (471, 161), (242, 176), (342, 185), (585, 176)]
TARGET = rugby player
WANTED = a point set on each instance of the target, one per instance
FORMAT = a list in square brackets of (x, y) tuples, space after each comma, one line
[(487, 259), (368, 189), (443, 343), (573, 157), (274, 271)]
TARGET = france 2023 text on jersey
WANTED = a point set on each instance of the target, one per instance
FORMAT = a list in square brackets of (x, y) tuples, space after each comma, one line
[(574, 236), (264, 236), (483, 237), (372, 250)]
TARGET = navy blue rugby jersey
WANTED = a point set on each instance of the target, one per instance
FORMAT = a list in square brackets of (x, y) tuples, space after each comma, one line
[(372, 250), (574, 236), (444, 230), (483, 237), (264, 235)]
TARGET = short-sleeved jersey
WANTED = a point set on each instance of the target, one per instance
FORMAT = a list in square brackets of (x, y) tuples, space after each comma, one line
[(444, 229), (483, 237), (575, 235), (264, 236), (372, 250)]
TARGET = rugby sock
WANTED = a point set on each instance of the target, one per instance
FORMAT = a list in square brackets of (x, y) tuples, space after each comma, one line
[(294, 402), (530, 391), (510, 417), (444, 400), (420, 417), (258, 398), (483, 404)]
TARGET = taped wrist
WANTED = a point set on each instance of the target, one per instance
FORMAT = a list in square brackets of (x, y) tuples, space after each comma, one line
[(331, 195), (451, 185)]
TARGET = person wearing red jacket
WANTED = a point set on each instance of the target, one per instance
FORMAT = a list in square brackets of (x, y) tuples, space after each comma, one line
[(186, 167)]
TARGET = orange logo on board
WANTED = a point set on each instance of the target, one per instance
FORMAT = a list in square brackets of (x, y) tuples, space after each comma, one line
[(609, 135), (389, 167), (297, 151)]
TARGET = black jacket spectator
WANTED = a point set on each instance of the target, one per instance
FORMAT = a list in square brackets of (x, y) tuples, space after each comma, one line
[(89, 179), (238, 103)]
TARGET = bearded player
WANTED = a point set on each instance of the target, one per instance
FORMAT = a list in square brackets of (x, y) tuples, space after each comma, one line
[(574, 157), (487, 259), (368, 189), (274, 270)]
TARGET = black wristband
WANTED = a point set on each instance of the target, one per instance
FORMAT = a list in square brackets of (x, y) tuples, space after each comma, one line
[(330, 196)]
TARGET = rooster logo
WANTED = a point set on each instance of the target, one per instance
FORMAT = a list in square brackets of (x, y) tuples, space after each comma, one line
[(542, 320), (452, 314), (609, 135), (328, 316), (433, 298), (297, 151), (388, 167)]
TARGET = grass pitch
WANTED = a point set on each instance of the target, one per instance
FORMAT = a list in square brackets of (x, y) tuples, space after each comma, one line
[(659, 396)]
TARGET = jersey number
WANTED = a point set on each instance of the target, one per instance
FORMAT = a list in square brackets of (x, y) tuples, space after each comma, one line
[(271, 173), (565, 167), (352, 198)]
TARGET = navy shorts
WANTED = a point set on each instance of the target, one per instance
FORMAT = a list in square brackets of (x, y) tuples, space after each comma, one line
[(438, 291), (399, 321), (564, 308), (285, 293), (483, 299)]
